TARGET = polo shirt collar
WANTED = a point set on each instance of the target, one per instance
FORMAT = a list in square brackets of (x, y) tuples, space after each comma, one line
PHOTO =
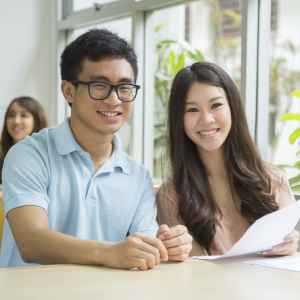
[(66, 144), (118, 159), (64, 139)]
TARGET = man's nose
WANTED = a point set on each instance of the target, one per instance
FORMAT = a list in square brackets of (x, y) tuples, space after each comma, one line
[(113, 98)]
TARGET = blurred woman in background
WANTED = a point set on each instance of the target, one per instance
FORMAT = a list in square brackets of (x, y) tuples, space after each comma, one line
[(24, 116)]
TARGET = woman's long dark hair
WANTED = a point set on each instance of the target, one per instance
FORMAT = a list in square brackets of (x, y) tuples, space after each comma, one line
[(39, 117), (248, 178)]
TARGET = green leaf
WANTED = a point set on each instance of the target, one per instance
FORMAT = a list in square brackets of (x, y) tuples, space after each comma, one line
[(160, 26), (295, 93), (200, 55), (294, 180), (296, 189), (297, 164), (294, 136), (195, 55), (166, 42), (290, 117), (172, 57), (185, 45), (180, 63)]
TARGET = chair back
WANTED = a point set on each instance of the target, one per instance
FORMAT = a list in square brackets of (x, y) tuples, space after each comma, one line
[(1, 217)]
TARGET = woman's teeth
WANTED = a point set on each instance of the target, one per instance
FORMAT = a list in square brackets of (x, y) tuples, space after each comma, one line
[(208, 132)]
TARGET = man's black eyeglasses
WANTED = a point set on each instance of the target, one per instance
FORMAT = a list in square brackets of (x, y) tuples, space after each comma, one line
[(99, 90)]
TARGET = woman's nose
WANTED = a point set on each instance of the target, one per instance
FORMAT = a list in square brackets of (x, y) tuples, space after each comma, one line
[(206, 118), (17, 119)]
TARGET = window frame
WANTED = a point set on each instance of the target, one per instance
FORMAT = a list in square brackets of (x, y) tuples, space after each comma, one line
[(255, 61)]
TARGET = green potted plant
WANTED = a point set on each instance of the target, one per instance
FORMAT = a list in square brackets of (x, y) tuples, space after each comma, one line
[(293, 137)]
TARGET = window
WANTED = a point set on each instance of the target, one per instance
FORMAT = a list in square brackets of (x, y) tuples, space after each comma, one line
[(284, 81), (168, 34)]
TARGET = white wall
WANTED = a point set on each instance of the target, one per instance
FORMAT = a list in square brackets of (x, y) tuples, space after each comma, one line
[(26, 60)]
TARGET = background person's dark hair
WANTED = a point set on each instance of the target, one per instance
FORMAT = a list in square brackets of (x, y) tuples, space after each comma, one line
[(249, 180), (39, 117), (95, 44)]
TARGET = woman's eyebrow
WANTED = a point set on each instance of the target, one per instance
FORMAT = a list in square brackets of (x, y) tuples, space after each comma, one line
[(190, 102), (210, 100), (215, 98)]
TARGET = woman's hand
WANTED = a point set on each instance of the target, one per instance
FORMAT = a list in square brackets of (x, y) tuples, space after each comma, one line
[(288, 247), (177, 240)]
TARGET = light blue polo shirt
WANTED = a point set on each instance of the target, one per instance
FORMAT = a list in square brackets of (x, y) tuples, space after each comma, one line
[(51, 170)]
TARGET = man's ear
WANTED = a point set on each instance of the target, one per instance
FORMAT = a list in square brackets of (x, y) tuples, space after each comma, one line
[(68, 91)]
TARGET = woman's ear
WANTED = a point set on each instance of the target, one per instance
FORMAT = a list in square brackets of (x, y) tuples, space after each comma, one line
[(68, 91)]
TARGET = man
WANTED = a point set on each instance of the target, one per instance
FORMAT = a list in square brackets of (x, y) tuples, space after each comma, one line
[(71, 194)]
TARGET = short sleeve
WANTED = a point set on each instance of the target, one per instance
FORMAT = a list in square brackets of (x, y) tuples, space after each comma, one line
[(144, 220), (25, 177)]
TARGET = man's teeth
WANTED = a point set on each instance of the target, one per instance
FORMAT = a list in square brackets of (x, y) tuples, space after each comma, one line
[(108, 113)]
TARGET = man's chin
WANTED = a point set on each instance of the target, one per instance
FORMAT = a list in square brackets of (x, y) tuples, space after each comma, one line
[(109, 131)]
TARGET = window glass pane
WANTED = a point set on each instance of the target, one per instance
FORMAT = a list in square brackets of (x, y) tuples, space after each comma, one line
[(121, 27), (284, 82), (83, 4), (201, 30)]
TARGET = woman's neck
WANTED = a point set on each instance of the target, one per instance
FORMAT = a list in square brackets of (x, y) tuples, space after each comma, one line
[(214, 163)]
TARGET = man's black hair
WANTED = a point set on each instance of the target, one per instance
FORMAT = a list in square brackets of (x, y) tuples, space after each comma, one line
[(95, 44)]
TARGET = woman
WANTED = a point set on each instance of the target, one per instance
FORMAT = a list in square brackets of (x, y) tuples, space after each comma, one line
[(219, 184), (23, 116)]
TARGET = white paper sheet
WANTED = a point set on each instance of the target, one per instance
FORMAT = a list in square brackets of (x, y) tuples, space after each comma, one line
[(291, 263), (264, 233)]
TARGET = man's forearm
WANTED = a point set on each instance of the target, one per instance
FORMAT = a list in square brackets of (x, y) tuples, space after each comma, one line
[(48, 247)]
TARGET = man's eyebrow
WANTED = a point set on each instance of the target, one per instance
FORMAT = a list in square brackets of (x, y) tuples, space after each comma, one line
[(98, 77), (127, 80), (104, 78)]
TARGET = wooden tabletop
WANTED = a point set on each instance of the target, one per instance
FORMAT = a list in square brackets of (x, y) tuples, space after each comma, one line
[(189, 280)]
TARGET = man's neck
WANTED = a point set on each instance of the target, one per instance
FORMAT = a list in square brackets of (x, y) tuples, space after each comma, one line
[(98, 146)]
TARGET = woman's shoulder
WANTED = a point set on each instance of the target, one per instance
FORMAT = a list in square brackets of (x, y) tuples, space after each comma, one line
[(166, 189), (167, 206), (277, 175), (166, 195), (280, 185)]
